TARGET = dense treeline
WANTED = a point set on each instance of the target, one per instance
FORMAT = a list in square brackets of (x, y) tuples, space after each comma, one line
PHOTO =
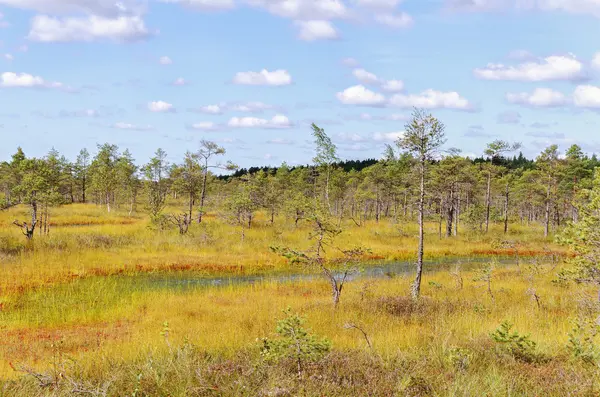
[(459, 192)]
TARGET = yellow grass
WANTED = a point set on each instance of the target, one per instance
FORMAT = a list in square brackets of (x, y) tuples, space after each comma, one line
[(91, 292)]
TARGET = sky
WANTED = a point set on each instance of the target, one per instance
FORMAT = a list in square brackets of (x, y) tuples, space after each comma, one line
[(252, 75)]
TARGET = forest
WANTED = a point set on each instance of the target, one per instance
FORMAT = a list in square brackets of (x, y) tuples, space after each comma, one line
[(422, 273)]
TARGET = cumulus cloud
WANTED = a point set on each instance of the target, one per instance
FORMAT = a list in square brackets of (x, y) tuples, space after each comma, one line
[(246, 107), (278, 121), (160, 107), (165, 60), (555, 67), (587, 96), (398, 20), (369, 78), (432, 99), (25, 80), (596, 61), (250, 107), (378, 4), (540, 97), (360, 95), (509, 117), (8, 57), (108, 8), (211, 109), (393, 85), (365, 77), (264, 77), (204, 5), (304, 9), (316, 30), (91, 28), (128, 126), (388, 136)]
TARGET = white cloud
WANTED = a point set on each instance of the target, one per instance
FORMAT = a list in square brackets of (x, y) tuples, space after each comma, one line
[(247, 107), (205, 125), (571, 6), (316, 30), (388, 136), (108, 8), (180, 81), (360, 95), (540, 97), (393, 85), (304, 9), (365, 77), (122, 28), (345, 137), (400, 20), (378, 4), (25, 80), (555, 67), (278, 121), (8, 57), (250, 107), (264, 77), (212, 109), (160, 107), (432, 99), (128, 126), (205, 5), (165, 60), (596, 61), (587, 96)]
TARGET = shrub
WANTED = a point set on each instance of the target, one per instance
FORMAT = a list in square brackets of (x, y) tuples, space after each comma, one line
[(521, 347), (582, 340), (295, 342)]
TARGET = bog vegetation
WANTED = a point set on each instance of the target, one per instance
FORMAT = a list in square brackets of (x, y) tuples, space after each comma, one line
[(425, 273)]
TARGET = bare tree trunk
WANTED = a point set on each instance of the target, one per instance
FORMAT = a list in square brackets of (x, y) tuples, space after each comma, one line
[(547, 214), (450, 215), (203, 194), (107, 202), (488, 199), (506, 194), (416, 287)]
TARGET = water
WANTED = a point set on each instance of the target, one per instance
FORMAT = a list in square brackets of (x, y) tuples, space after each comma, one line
[(174, 281)]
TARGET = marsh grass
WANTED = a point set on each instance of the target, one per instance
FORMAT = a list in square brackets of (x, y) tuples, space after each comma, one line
[(74, 303)]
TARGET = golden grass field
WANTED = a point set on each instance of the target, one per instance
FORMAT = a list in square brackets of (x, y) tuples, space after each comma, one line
[(91, 294)]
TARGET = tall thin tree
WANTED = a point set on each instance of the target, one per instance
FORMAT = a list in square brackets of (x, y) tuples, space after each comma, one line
[(423, 137)]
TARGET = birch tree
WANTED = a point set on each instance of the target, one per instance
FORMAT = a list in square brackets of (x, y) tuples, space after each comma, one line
[(423, 137)]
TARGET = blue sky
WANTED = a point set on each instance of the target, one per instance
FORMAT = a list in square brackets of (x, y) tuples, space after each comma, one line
[(253, 74)]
